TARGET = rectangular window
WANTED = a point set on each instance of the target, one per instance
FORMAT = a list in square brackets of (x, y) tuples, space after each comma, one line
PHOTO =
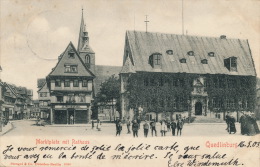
[(67, 68), (162, 102), (84, 83), (71, 68), (71, 98), (152, 82), (44, 94), (82, 98), (66, 83), (74, 69), (175, 82), (146, 82), (168, 102), (157, 59), (75, 83), (215, 82), (161, 82), (45, 103), (57, 83), (181, 82), (59, 98)]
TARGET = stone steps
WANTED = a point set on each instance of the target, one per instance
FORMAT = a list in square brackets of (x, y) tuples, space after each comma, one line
[(203, 119)]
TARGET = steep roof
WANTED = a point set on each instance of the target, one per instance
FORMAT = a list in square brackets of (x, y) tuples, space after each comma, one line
[(128, 67), (40, 82), (144, 44), (83, 41), (59, 69)]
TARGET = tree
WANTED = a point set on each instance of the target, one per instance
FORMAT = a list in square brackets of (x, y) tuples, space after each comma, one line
[(110, 92)]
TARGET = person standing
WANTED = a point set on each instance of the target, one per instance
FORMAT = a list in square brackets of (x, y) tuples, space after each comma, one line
[(179, 127), (153, 127), (168, 123), (128, 124), (173, 127), (242, 121), (227, 121), (93, 123), (232, 126), (98, 125), (118, 128), (71, 119), (135, 128), (163, 128), (146, 128)]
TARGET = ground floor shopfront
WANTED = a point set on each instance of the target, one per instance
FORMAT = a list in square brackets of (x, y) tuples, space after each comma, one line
[(70, 114)]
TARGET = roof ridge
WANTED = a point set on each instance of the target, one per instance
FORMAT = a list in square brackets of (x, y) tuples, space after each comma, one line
[(199, 36)]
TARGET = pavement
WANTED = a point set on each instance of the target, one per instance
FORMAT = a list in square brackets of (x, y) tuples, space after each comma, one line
[(6, 128), (28, 128)]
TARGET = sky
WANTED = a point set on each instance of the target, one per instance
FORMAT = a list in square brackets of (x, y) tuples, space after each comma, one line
[(33, 33)]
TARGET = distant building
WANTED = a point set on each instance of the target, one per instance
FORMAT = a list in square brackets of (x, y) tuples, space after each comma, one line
[(36, 112), (17, 101), (44, 99), (168, 74)]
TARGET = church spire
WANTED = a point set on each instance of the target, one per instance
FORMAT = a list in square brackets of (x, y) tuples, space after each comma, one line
[(83, 34)]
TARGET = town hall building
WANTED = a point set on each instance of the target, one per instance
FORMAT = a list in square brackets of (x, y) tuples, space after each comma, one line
[(167, 74)]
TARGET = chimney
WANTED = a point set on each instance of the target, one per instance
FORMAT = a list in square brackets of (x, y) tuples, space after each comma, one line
[(223, 37)]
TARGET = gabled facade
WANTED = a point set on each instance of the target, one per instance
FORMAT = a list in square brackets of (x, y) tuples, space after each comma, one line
[(70, 85), (16, 101), (75, 67), (44, 99), (168, 74)]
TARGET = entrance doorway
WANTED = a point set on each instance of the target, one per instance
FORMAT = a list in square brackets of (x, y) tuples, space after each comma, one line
[(60, 117), (198, 108), (71, 113)]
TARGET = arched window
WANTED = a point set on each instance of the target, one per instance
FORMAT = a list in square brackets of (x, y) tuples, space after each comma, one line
[(87, 59)]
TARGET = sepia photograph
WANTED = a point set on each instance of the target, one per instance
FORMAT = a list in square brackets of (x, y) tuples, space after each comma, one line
[(107, 76)]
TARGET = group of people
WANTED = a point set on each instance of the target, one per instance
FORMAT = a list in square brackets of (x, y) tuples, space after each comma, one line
[(248, 124), (247, 121), (165, 126)]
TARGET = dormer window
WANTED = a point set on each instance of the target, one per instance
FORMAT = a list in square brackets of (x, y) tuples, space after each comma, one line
[(155, 60), (231, 63), (71, 54), (183, 60), (204, 61), (169, 52), (211, 54), (190, 53)]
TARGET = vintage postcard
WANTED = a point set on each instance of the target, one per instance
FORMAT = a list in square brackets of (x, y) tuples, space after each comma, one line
[(90, 83)]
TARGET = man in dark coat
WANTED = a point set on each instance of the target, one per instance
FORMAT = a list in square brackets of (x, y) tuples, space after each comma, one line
[(227, 121), (153, 127), (179, 126), (118, 128), (93, 123), (135, 128), (173, 127), (146, 128), (243, 123), (232, 126)]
